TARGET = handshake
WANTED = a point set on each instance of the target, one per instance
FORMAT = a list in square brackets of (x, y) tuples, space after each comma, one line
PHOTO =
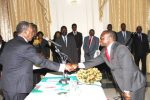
[(71, 67)]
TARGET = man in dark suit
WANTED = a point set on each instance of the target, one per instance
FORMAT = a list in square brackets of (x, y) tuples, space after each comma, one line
[(141, 47), (125, 37), (17, 58), (78, 38), (124, 70), (90, 45), (68, 45)]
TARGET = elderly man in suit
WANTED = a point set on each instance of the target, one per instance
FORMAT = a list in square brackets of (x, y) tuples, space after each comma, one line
[(124, 70), (90, 45), (17, 58), (125, 37), (78, 38)]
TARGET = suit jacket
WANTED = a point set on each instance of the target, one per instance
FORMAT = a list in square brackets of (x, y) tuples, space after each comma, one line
[(89, 52), (124, 70), (140, 48), (45, 50), (127, 41), (70, 50), (17, 59), (78, 39)]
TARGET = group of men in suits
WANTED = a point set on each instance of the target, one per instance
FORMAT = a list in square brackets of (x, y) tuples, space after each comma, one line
[(74, 41), (136, 42), (68, 46)]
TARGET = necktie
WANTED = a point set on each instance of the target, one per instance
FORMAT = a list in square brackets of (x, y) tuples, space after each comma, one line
[(124, 35), (140, 36), (65, 41), (107, 54), (90, 38)]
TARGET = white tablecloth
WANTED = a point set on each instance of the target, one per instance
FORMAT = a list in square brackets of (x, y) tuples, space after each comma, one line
[(49, 88)]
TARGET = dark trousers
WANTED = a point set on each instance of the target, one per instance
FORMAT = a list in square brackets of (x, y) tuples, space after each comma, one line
[(79, 55), (143, 60), (14, 96)]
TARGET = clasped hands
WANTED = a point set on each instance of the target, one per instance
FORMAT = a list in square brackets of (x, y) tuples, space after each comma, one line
[(71, 67)]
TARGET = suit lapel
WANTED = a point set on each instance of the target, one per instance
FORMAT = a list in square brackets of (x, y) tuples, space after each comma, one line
[(113, 50), (62, 41)]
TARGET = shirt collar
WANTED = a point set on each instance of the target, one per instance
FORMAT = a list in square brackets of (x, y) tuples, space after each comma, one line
[(23, 38), (109, 48), (74, 32)]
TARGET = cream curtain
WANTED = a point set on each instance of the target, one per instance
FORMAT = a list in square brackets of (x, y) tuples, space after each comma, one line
[(13, 11), (5, 27), (101, 4), (131, 12)]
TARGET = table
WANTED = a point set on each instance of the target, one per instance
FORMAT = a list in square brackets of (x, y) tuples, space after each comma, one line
[(50, 88)]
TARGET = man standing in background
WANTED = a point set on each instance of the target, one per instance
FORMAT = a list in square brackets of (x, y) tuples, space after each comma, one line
[(91, 44), (125, 37), (140, 48), (78, 38)]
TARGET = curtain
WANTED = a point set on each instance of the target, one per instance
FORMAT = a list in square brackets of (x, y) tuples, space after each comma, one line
[(130, 12), (101, 4), (14, 11), (5, 27)]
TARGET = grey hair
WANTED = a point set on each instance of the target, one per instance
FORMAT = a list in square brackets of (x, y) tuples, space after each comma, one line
[(22, 26)]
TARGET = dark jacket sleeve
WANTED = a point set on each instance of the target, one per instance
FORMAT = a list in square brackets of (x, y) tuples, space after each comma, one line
[(30, 54)]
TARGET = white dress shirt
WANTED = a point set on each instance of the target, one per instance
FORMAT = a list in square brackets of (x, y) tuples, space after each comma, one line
[(65, 39)]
